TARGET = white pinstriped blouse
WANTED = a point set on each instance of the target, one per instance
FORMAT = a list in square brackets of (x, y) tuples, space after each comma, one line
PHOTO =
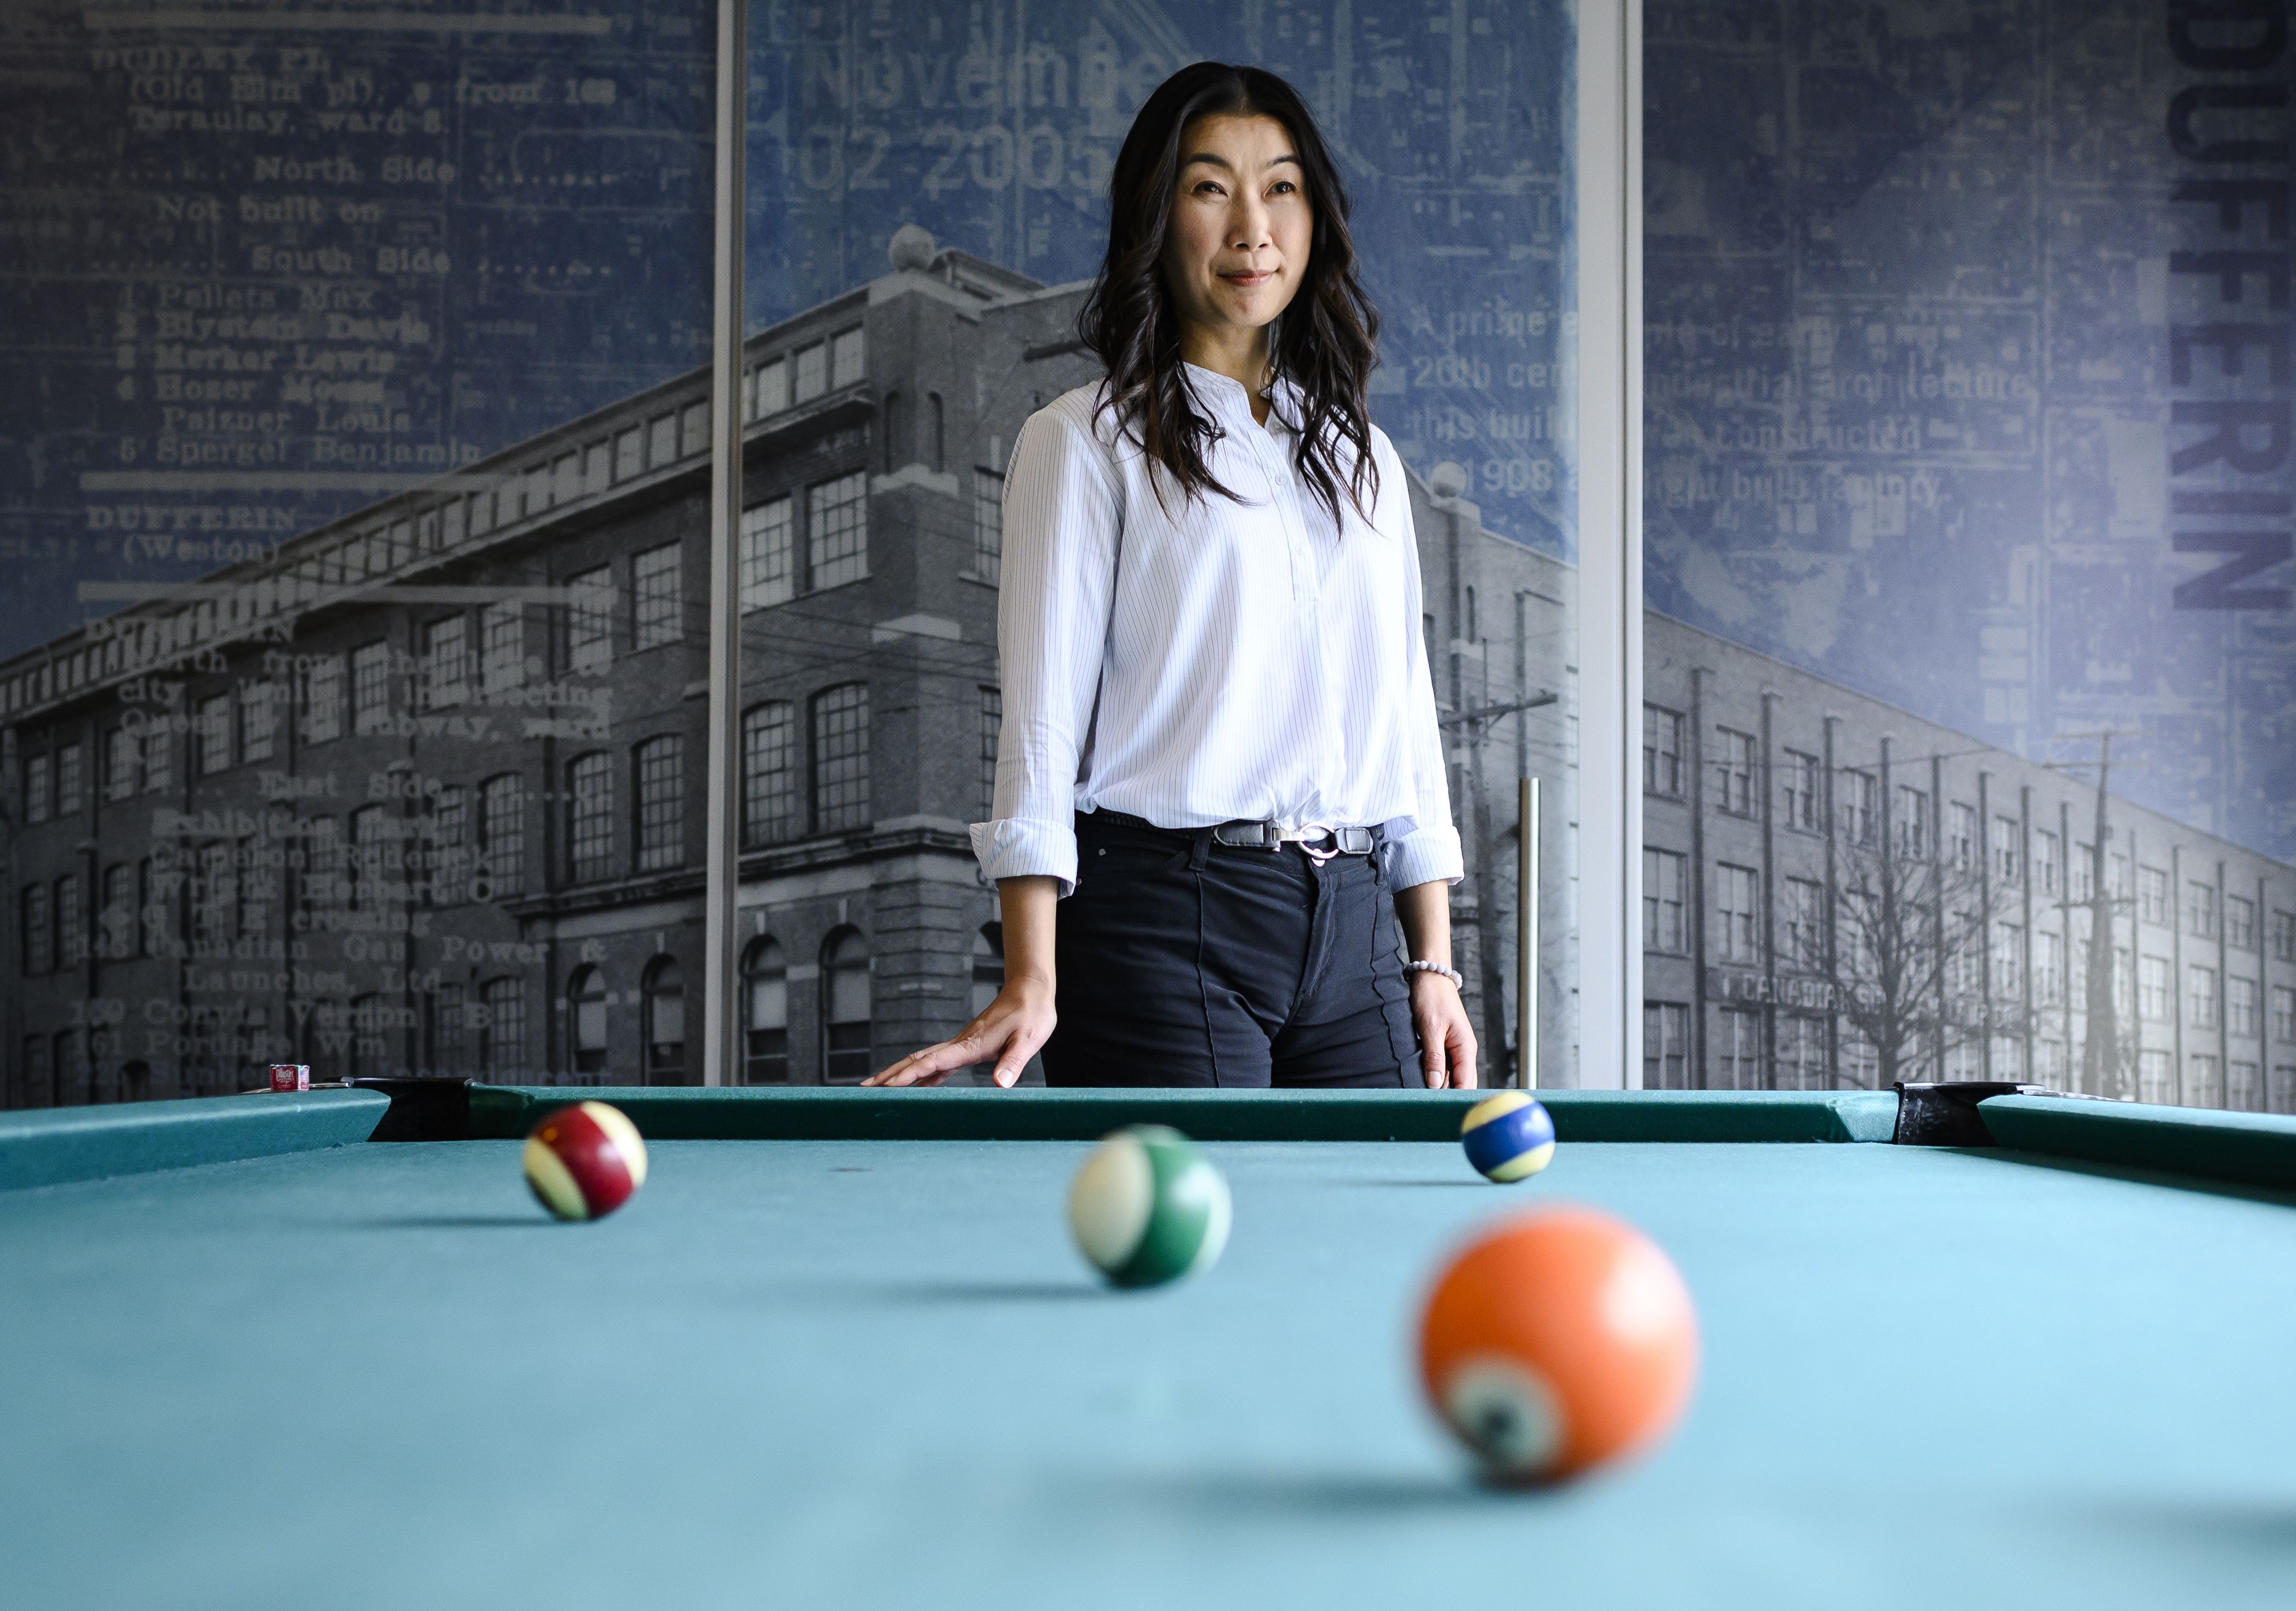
[(1222, 660)]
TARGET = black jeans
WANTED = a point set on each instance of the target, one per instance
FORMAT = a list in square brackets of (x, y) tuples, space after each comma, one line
[(1184, 961)]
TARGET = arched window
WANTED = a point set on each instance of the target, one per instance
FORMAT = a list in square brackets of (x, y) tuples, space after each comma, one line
[(665, 1022), (987, 966), (845, 1009), (585, 1019), (764, 1013)]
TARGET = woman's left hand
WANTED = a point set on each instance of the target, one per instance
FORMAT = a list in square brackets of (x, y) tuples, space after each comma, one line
[(1446, 1041)]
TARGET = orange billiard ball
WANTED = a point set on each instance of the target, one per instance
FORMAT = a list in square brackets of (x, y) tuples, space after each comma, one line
[(584, 1161), (1558, 1340)]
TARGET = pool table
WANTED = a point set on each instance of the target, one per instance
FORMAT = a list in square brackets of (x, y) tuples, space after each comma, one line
[(840, 1352)]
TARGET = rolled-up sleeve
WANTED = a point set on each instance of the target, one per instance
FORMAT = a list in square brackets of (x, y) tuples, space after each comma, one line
[(1062, 517), (1424, 845)]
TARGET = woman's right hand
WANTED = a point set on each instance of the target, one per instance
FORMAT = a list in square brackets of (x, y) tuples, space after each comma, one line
[(1009, 1029)]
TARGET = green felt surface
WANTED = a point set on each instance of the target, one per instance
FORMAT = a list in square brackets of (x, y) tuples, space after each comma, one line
[(51, 1146), (863, 1373), (2249, 1149), (820, 1113)]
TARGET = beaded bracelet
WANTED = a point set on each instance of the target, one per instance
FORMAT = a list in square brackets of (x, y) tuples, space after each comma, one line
[(1452, 973)]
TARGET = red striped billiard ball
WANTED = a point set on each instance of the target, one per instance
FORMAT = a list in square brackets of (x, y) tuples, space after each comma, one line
[(1557, 1341), (584, 1162)]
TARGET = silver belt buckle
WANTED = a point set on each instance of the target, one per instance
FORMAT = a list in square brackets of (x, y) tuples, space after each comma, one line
[(1320, 856)]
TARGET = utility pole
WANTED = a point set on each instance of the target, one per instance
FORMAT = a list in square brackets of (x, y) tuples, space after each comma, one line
[(2101, 1053), (1493, 977)]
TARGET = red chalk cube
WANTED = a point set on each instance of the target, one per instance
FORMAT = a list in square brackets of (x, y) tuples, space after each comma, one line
[(290, 1077)]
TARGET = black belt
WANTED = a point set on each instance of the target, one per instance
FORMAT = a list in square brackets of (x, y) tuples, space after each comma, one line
[(1321, 840)]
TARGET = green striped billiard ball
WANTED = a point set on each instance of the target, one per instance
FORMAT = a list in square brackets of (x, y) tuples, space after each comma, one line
[(1147, 1207)]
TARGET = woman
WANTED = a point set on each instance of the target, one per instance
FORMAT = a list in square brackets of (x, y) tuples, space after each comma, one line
[(1219, 782)]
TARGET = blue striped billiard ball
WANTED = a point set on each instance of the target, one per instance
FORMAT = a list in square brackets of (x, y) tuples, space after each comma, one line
[(1508, 1136)]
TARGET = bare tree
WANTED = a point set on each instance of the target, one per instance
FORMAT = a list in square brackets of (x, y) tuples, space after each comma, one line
[(1907, 970)]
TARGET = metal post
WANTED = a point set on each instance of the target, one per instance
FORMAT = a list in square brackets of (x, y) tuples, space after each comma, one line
[(720, 900), (1526, 946)]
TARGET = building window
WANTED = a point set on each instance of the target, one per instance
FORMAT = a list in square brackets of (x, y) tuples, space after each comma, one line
[(501, 837), (837, 531), (121, 755), (1805, 924), (2008, 836), (988, 524), (845, 1009), (665, 1023), (448, 1019), (1661, 746), (446, 659), (1666, 1045), (322, 700), (1859, 796), (1800, 1057), (1861, 1062), (840, 757), (72, 923), (661, 767), (1664, 883), (39, 929), (630, 453), (2080, 873), (502, 1028), (2156, 1077), (2239, 1006), (769, 554), (693, 429), (1733, 771), (585, 1019), (501, 647), (1962, 849), (659, 584), (2200, 996), (68, 780), (1797, 791), (772, 386), (992, 726), (768, 774), (2205, 1087), (1738, 1049), (115, 924), (2152, 987), (661, 440), (258, 721), (40, 789), (2153, 894), (2284, 1014), (39, 1077), (764, 1013), (158, 762), (2008, 961), (211, 736), (2048, 967), (450, 879), (2240, 922), (812, 371), (1914, 825), (2200, 909), (1735, 905), (2047, 866), (2240, 1091), (590, 816), (370, 688), (848, 358), (590, 620), (2283, 936)]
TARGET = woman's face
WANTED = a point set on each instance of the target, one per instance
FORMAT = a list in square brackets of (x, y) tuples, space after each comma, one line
[(1237, 247)]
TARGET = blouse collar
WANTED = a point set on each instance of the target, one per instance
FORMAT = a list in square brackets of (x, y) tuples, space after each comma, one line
[(1226, 391)]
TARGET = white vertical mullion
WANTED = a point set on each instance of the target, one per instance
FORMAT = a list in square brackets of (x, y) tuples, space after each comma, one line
[(719, 1044), (1609, 173)]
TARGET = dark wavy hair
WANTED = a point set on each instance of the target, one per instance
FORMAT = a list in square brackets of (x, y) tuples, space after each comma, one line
[(1325, 342)]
